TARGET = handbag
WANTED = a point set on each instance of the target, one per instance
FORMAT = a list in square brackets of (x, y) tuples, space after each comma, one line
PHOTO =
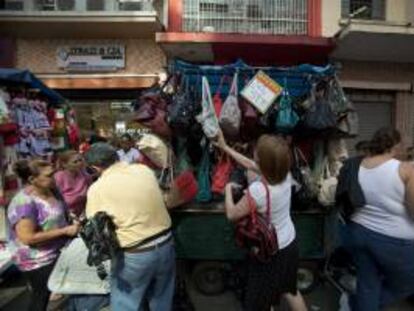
[(182, 110), (154, 149), (319, 115), (287, 118), (204, 194), (256, 233), (221, 174), (217, 101), (327, 186), (230, 116), (183, 190), (151, 113), (304, 195), (207, 118)]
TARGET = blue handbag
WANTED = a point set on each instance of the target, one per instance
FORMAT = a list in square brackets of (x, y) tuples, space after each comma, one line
[(287, 118), (204, 194)]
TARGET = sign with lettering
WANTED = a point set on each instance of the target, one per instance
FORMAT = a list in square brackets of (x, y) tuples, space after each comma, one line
[(91, 57), (262, 91)]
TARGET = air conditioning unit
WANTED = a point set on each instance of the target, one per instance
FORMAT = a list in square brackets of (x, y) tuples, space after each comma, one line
[(66, 5), (135, 5), (95, 5), (14, 5), (47, 5)]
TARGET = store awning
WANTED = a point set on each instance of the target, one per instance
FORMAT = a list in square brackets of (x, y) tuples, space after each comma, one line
[(220, 48), (26, 77), (376, 41), (86, 81)]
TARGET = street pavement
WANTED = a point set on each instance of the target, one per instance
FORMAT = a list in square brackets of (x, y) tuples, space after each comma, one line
[(14, 297)]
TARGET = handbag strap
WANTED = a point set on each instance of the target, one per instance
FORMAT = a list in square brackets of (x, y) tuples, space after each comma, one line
[(220, 86), (268, 202)]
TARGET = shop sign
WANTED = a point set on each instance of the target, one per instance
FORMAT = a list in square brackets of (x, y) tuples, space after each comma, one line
[(262, 91), (91, 57)]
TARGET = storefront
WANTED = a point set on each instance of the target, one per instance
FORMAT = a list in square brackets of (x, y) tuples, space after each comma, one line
[(100, 78)]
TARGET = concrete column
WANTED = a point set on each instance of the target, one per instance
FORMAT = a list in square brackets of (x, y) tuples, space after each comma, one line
[(404, 116)]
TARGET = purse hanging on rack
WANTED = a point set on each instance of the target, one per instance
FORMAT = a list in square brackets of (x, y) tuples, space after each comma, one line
[(207, 118), (217, 101), (287, 118), (204, 194), (221, 174), (230, 116)]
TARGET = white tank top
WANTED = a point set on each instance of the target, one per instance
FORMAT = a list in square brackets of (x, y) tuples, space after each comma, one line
[(384, 192), (279, 210)]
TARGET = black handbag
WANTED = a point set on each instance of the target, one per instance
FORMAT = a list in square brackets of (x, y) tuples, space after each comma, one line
[(99, 236), (319, 115), (182, 111), (303, 196)]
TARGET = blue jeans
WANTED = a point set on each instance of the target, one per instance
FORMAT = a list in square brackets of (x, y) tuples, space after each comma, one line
[(146, 278), (385, 268)]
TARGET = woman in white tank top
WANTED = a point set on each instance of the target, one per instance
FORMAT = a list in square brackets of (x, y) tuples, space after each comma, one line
[(266, 282), (382, 232)]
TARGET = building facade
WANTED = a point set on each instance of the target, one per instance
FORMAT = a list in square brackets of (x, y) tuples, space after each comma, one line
[(372, 41), (98, 53)]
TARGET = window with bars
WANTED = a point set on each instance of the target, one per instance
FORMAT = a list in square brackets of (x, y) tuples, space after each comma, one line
[(375, 9), (288, 17)]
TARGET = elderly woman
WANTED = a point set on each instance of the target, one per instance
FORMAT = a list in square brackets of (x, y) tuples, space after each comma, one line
[(382, 231), (267, 282), (38, 227)]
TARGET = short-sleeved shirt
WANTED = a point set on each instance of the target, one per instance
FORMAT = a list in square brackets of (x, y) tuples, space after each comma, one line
[(46, 216), (131, 156), (73, 189), (131, 195), (280, 197)]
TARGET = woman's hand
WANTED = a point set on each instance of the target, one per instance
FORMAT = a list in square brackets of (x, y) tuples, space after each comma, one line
[(220, 141), (72, 230)]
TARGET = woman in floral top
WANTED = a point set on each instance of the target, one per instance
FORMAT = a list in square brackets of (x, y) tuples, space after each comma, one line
[(38, 227)]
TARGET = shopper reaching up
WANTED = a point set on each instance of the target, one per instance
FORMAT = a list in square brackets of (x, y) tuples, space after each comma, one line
[(267, 282)]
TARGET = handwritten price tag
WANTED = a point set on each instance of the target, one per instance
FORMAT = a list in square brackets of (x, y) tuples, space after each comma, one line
[(262, 91)]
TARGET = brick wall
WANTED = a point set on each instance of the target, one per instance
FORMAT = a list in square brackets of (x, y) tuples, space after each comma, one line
[(39, 56)]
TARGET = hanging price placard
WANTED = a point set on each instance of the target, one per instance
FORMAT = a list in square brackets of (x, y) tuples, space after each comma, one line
[(262, 91)]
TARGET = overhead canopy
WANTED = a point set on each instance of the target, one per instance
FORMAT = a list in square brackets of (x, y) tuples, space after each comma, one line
[(297, 79), (26, 77)]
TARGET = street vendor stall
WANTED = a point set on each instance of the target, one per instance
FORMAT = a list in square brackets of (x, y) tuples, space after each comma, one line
[(35, 122), (304, 104)]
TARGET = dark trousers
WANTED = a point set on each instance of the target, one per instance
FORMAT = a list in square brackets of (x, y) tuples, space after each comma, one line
[(385, 268), (39, 295)]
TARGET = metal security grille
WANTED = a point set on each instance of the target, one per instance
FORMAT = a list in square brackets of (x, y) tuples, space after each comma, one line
[(375, 9), (375, 110), (287, 17)]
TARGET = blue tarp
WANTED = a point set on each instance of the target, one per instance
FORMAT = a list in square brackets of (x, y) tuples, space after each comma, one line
[(29, 79), (297, 79)]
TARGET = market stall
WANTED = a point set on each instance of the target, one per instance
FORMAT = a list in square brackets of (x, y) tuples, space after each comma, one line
[(35, 122), (305, 104)]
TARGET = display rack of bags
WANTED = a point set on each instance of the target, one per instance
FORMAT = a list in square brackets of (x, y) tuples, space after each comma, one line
[(308, 107)]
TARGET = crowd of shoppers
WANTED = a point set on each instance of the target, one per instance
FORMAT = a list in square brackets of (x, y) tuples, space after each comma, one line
[(376, 184)]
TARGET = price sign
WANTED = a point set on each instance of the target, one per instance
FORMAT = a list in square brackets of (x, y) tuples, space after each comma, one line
[(262, 91)]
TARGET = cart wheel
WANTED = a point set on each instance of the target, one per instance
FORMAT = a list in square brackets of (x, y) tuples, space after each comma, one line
[(306, 280), (209, 278)]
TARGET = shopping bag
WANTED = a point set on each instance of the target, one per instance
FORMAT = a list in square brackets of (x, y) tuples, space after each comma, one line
[(230, 116)]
